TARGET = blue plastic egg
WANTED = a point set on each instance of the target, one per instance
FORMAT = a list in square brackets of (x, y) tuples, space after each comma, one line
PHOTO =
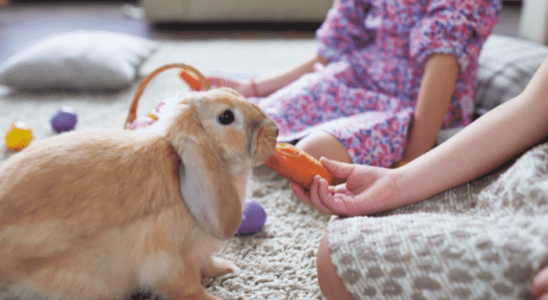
[(64, 119), (253, 219)]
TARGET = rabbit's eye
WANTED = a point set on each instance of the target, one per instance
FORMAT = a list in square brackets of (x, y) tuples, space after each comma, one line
[(226, 117)]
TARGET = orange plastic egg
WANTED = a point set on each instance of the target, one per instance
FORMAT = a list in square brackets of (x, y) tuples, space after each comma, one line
[(18, 136)]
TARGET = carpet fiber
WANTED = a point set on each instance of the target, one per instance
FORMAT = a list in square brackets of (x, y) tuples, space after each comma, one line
[(277, 263)]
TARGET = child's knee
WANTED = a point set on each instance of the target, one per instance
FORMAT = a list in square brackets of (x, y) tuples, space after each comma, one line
[(331, 285), (324, 256), (324, 144), (322, 266), (310, 143)]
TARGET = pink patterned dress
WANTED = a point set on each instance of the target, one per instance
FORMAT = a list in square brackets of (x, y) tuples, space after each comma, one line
[(366, 95)]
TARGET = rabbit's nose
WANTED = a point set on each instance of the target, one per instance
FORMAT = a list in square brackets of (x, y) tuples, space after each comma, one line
[(275, 130), (265, 141)]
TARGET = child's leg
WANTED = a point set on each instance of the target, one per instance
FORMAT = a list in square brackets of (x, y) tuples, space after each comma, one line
[(540, 284), (331, 285), (324, 144)]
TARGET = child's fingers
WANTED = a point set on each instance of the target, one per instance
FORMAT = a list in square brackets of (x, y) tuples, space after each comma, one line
[(342, 205), (338, 200), (315, 197), (325, 193), (300, 193), (337, 169), (218, 81)]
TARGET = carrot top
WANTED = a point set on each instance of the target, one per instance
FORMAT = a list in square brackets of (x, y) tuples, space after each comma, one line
[(192, 80)]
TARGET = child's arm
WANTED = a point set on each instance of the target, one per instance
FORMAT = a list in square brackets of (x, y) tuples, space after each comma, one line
[(438, 84), (269, 84), (486, 143), (272, 83)]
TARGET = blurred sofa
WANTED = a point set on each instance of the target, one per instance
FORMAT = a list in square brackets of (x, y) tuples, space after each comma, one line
[(236, 10)]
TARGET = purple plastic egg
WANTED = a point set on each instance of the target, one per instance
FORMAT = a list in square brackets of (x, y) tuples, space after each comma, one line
[(253, 219), (64, 119)]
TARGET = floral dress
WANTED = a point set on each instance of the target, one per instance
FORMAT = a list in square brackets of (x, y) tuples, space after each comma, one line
[(366, 95)]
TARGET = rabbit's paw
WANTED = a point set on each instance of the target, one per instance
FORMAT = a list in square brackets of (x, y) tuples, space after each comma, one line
[(181, 287), (219, 266)]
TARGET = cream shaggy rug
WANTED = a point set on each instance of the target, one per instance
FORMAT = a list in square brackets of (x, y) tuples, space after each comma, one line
[(277, 263)]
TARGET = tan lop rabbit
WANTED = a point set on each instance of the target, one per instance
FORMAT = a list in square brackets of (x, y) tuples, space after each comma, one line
[(102, 214)]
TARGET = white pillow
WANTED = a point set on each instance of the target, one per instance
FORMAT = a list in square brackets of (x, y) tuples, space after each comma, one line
[(82, 60)]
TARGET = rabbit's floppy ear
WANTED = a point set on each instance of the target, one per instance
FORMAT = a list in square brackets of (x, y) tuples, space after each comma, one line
[(205, 181)]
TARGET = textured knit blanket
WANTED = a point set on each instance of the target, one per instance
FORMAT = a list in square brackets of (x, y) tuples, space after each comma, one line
[(482, 240)]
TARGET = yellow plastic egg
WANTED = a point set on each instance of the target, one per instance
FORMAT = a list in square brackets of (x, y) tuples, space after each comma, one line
[(18, 136)]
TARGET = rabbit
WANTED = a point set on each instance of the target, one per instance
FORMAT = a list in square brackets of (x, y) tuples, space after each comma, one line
[(105, 213)]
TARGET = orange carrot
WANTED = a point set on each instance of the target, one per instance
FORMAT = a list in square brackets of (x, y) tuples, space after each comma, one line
[(192, 80), (296, 165)]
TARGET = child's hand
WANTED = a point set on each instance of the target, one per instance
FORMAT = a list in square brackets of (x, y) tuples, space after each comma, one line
[(367, 190), (242, 87)]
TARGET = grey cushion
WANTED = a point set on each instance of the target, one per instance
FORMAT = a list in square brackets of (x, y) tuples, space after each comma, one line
[(82, 60), (506, 66)]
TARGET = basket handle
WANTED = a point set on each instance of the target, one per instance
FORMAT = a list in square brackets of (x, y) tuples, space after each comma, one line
[(133, 108)]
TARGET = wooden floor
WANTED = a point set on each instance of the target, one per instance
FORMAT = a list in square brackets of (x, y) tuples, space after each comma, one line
[(21, 25)]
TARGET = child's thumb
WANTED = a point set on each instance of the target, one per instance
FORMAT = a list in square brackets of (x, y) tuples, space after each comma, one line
[(337, 169)]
